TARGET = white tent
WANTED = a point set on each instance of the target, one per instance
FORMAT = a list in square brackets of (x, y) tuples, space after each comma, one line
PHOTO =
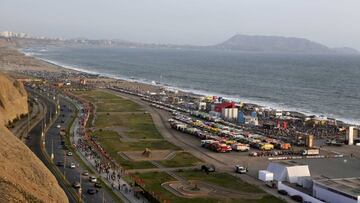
[(284, 171)]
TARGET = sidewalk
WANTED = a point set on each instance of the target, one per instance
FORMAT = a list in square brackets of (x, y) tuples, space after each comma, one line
[(113, 178)]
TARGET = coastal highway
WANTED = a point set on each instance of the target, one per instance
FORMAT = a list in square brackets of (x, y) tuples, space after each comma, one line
[(53, 145), (34, 143)]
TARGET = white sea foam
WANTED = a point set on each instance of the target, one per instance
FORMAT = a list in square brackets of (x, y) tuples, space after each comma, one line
[(236, 98)]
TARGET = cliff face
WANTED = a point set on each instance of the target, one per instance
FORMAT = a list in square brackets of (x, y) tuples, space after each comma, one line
[(13, 99), (23, 177)]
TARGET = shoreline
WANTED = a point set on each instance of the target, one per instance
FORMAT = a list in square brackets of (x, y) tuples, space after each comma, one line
[(198, 93)]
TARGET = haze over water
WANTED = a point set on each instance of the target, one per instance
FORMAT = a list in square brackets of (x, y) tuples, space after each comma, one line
[(314, 84)]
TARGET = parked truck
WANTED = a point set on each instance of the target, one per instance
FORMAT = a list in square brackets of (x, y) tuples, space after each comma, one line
[(266, 147), (310, 152), (283, 146), (240, 147), (217, 147)]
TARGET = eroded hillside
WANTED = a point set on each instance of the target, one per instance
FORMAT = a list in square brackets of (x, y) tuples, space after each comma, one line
[(23, 177)]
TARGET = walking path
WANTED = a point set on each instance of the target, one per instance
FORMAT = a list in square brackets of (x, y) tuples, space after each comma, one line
[(113, 178)]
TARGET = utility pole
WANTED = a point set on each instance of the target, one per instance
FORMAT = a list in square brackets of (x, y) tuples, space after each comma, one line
[(45, 120), (42, 133), (103, 197), (52, 150), (80, 190), (28, 123), (64, 164)]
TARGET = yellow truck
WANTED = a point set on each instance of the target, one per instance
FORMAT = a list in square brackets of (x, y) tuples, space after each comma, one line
[(266, 147)]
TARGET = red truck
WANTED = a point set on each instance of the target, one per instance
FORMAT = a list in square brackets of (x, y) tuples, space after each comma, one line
[(217, 147)]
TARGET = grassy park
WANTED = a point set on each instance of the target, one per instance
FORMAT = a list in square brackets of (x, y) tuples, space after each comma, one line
[(124, 127), (130, 121), (153, 181)]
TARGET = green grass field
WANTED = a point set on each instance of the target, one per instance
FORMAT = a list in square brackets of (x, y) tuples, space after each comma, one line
[(181, 159), (111, 144), (107, 102), (221, 179), (154, 180), (153, 183), (137, 125), (114, 111)]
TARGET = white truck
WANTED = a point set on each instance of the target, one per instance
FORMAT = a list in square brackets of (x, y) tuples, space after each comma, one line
[(240, 169), (310, 152), (240, 147)]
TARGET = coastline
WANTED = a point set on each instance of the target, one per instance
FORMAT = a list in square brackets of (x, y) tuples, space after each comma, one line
[(192, 92)]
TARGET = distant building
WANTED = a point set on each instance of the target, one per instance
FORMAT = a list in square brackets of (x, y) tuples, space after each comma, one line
[(229, 113), (221, 106), (310, 141), (241, 118), (352, 133), (202, 106), (82, 81), (251, 120)]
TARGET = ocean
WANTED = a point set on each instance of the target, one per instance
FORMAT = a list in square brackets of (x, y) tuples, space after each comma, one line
[(312, 84)]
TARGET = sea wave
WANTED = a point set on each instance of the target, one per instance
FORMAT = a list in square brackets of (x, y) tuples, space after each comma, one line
[(237, 98)]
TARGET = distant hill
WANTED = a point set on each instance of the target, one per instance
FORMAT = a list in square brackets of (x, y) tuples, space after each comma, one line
[(273, 44), (345, 50), (246, 43)]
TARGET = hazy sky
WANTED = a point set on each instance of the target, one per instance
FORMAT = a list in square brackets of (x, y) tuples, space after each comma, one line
[(332, 22)]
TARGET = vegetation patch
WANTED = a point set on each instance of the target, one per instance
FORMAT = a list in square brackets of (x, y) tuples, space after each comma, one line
[(137, 125), (153, 181), (221, 179)]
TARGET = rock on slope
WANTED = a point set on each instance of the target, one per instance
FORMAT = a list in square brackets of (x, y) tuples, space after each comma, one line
[(23, 177)]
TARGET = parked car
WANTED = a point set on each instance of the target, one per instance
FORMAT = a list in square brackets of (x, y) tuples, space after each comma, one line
[(76, 185), (241, 169), (85, 173), (60, 163), (282, 192), (97, 185), (208, 168), (65, 147), (91, 191), (58, 126), (93, 179), (297, 198), (72, 165), (69, 154)]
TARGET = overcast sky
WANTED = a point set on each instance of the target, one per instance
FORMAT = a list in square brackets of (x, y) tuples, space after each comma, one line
[(201, 22)]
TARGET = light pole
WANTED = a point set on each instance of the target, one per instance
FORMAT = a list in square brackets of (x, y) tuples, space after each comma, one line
[(64, 164), (80, 190), (52, 150)]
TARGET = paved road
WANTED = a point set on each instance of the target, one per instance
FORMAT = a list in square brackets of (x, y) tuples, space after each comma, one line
[(34, 143), (53, 144)]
